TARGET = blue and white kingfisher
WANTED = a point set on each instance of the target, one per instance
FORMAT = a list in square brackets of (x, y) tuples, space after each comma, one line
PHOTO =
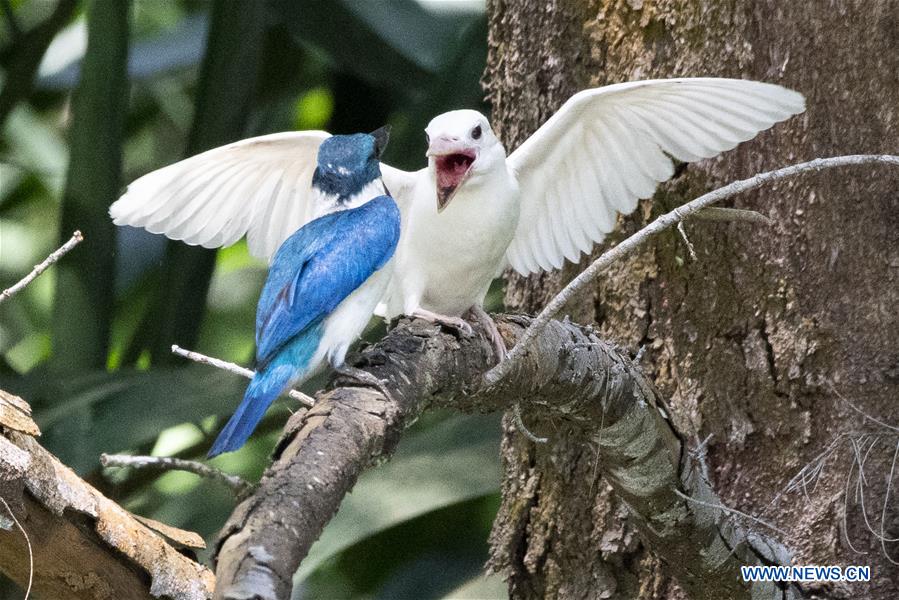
[(325, 279)]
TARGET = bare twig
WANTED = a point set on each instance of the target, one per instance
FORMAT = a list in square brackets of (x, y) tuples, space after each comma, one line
[(662, 223), (233, 368), (38, 269), (726, 215), (886, 504), (164, 463), (683, 234), (727, 509), (860, 411), (27, 543)]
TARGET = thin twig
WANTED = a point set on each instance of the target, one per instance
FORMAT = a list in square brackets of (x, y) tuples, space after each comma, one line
[(662, 223), (716, 214), (730, 510), (27, 543), (38, 269), (886, 503), (164, 463), (845, 515), (233, 368), (860, 411), (860, 492), (683, 234)]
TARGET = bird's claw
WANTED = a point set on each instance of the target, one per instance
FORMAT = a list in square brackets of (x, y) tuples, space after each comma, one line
[(496, 339), (457, 323), (499, 344)]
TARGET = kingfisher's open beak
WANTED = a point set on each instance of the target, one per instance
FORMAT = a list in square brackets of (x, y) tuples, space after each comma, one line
[(452, 163)]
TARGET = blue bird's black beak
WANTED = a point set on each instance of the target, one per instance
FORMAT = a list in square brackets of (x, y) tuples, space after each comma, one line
[(382, 136)]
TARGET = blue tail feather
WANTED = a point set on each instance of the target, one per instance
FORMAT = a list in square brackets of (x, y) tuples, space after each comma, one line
[(289, 365), (265, 387)]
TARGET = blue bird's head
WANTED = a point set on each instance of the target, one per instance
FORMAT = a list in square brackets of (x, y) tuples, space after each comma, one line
[(347, 163)]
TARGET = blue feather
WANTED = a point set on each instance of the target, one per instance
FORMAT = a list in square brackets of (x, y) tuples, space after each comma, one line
[(346, 164), (319, 266), (267, 384), (315, 269)]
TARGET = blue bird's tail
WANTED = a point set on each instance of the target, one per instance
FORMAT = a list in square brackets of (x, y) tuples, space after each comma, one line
[(265, 387), (290, 365)]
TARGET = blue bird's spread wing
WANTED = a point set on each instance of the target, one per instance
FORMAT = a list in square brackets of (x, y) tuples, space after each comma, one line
[(319, 266)]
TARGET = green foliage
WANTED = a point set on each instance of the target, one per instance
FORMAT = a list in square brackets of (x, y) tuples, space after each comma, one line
[(81, 324), (87, 343)]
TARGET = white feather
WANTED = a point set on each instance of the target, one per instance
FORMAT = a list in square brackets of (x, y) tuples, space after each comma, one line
[(260, 187), (548, 202), (630, 130)]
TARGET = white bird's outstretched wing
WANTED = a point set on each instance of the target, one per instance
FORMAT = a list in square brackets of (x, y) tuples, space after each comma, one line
[(608, 147), (260, 187)]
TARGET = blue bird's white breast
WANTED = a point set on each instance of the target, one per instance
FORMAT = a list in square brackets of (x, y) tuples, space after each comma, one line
[(326, 202)]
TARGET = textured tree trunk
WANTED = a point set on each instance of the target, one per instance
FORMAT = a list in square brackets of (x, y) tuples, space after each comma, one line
[(762, 342)]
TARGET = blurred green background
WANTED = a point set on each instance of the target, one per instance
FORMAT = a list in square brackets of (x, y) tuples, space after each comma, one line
[(95, 94)]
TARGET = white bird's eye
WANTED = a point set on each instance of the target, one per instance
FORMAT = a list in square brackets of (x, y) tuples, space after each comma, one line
[(476, 133), (427, 138)]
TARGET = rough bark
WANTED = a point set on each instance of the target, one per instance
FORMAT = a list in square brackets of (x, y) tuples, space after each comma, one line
[(84, 545), (598, 394), (751, 341)]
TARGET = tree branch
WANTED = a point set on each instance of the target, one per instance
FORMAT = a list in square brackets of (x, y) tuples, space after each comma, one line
[(236, 484), (727, 215), (85, 545), (692, 208), (568, 373), (43, 266)]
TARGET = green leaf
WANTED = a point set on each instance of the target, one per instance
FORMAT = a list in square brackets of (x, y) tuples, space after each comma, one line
[(21, 59), (395, 44), (453, 461), (85, 279), (179, 47), (481, 587), (224, 101), (423, 558), (85, 415)]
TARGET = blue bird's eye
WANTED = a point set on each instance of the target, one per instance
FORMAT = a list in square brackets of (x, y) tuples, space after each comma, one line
[(476, 133)]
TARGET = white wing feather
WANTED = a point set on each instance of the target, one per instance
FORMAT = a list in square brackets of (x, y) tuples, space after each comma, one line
[(608, 147), (260, 187)]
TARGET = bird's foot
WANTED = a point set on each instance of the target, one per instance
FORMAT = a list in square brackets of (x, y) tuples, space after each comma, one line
[(364, 377), (499, 344), (457, 323)]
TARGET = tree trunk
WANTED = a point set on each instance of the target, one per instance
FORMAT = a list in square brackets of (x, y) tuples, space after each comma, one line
[(766, 339)]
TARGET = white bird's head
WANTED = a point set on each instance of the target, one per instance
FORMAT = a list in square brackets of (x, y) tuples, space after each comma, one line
[(461, 149)]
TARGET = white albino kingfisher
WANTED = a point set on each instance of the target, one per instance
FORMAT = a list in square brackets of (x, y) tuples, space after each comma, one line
[(325, 279), (473, 210)]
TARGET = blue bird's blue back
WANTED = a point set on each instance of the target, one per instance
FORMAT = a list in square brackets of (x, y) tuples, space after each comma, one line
[(314, 270), (319, 266)]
